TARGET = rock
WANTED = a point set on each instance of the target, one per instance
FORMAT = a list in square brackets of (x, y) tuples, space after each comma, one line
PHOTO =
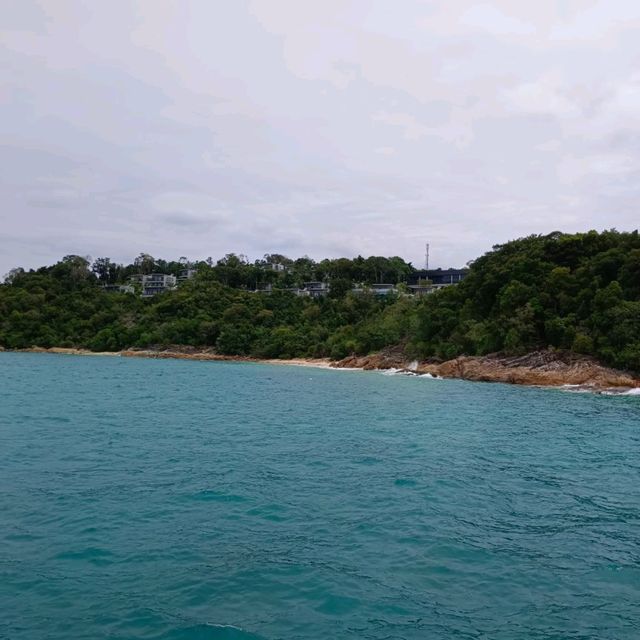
[(541, 368)]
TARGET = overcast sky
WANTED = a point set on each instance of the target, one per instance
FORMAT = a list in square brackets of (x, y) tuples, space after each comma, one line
[(320, 127)]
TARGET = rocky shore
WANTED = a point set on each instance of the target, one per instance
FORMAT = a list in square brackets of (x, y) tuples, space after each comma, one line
[(541, 368)]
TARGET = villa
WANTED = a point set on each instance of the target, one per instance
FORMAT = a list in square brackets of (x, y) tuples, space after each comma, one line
[(186, 274), (315, 289), (155, 283), (438, 276)]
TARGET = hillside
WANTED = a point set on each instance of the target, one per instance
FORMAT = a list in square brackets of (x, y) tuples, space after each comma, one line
[(577, 293)]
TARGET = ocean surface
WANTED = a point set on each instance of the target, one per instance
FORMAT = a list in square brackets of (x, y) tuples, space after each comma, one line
[(169, 499)]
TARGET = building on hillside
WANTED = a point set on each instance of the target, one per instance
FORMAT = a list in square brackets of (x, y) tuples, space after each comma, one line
[(424, 289), (186, 274), (269, 288), (314, 289), (438, 276), (278, 267), (382, 289), (155, 283), (375, 289)]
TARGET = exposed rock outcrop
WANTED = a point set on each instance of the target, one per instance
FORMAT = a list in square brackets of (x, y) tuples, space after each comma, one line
[(392, 358), (177, 351), (546, 368)]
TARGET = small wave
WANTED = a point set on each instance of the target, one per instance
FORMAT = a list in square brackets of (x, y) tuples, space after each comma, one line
[(398, 372), (576, 388), (579, 388), (629, 392), (406, 372)]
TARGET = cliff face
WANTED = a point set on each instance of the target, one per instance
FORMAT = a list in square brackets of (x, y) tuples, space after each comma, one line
[(546, 368)]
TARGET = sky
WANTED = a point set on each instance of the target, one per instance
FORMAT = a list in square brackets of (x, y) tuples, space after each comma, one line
[(327, 128)]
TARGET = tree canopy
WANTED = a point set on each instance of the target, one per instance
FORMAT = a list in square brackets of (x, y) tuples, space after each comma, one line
[(579, 292)]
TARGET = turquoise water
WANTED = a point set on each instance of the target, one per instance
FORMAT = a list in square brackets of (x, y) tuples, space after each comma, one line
[(201, 500)]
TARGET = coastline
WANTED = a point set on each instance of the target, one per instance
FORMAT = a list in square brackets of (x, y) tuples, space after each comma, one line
[(177, 354), (541, 368), (545, 368)]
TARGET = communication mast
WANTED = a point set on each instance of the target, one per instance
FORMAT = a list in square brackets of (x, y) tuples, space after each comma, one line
[(426, 256)]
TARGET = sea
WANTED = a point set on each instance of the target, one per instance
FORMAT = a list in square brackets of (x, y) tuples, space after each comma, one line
[(183, 500)]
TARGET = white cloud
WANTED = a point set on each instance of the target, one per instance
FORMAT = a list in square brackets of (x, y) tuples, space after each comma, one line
[(492, 19), (410, 127), (548, 94), (340, 127)]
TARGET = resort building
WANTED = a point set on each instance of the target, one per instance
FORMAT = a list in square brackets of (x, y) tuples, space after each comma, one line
[(438, 276), (155, 283), (424, 289), (375, 289), (382, 289), (314, 289), (186, 274), (276, 266)]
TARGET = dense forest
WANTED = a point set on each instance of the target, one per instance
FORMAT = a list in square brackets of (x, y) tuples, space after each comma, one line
[(579, 292)]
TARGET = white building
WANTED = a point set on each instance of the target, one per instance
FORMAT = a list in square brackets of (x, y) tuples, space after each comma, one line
[(186, 274), (155, 283), (277, 267), (314, 289)]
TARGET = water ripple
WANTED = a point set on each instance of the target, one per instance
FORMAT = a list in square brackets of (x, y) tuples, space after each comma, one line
[(218, 501)]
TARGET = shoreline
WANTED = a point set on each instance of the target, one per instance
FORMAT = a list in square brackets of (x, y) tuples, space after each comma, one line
[(541, 369), (169, 354)]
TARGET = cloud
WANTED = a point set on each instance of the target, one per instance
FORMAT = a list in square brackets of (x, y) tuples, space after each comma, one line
[(548, 94), (491, 19), (333, 128)]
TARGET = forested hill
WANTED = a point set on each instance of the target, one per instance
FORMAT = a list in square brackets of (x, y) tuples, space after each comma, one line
[(579, 292)]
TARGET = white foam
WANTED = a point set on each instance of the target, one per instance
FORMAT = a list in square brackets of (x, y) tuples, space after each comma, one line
[(406, 372), (397, 372), (578, 388), (629, 392)]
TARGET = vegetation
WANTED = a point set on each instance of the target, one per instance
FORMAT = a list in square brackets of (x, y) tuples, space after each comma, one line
[(579, 292), (66, 305)]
